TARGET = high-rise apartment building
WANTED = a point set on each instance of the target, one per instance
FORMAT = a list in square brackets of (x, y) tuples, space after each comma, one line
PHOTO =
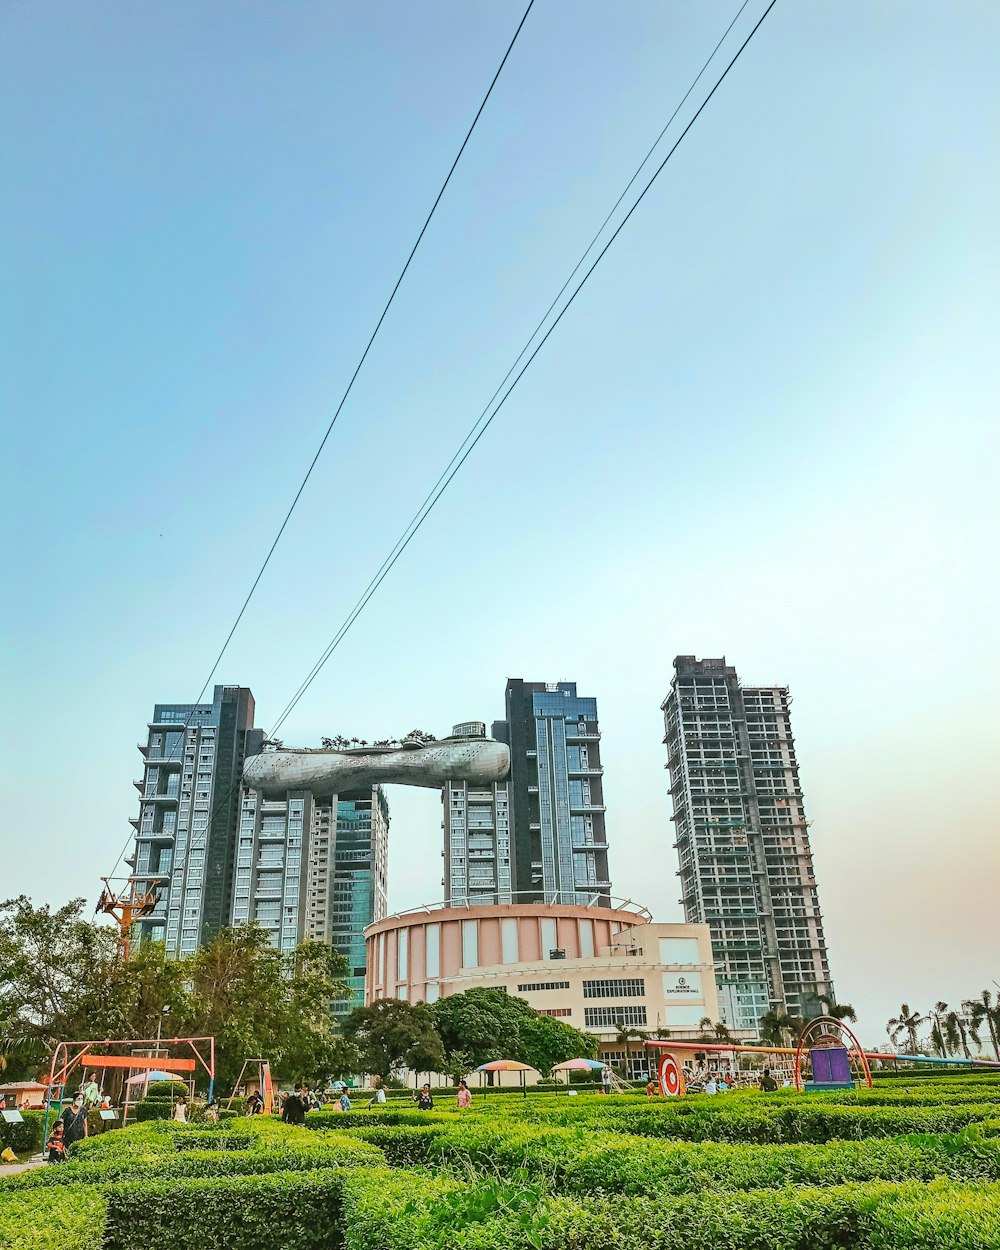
[(746, 866), (186, 828), (556, 793), (477, 836), (313, 868)]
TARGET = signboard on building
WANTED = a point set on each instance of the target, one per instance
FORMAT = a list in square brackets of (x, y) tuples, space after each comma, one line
[(682, 985)]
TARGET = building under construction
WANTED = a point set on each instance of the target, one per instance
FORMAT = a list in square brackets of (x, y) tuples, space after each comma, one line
[(746, 866)]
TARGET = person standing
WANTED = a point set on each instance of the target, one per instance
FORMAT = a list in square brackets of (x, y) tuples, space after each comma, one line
[(606, 1080), (294, 1112), (74, 1121), (180, 1110), (56, 1145), (711, 1085), (345, 1100), (464, 1098), (767, 1082), (424, 1100), (652, 1089)]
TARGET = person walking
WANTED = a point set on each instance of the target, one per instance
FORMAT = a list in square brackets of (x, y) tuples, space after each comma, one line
[(651, 1088), (424, 1100), (464, 1098), (344, 1103), (74, 1121)]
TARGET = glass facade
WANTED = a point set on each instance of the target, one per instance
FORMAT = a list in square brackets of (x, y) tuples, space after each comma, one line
[(561, 850), (186, 829)]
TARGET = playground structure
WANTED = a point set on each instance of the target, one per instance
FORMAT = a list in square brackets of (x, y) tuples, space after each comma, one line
[(829, 1044), (126, 906), (147, 1056), (263, 1081)]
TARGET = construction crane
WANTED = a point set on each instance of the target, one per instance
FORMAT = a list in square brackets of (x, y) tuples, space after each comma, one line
[(137, 896)]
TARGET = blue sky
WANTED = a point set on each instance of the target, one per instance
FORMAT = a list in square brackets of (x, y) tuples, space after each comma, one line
[(765, 429)]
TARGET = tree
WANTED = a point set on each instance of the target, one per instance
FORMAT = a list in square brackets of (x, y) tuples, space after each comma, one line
[(984, 1010), (956, 1032), (485, 1024), (546, 1041), (56, 970), (393, 1034), (61, 979), (939, 1042), (839, 1011), (624, 1035), (777, 1028), (907, 1022)]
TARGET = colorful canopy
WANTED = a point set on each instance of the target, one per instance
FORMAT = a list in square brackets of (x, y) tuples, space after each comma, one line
[(577, 1065), (505, 1065)]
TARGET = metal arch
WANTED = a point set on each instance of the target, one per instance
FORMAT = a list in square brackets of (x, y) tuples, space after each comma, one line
[(829, 1022)]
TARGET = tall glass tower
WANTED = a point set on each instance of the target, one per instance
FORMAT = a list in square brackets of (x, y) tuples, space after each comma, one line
[(313, 868), (189, 798), (746, 867), (557, 797)]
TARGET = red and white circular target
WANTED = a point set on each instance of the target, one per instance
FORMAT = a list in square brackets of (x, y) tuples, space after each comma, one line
[(671, 1078)]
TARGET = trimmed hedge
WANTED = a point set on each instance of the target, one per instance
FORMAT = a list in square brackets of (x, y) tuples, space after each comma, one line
[(24, 1138), (70, 1220), (744, 1172), (280, 1211)]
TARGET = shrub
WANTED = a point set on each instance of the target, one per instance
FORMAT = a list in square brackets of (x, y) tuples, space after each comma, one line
[(167, 1089), (282, 1211), (70, 1220), (24, 1138)]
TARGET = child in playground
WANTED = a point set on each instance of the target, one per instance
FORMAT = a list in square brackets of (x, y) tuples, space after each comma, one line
[(57, 1147)]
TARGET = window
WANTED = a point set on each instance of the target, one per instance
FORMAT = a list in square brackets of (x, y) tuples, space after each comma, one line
[(679, 951), (611, 1017), (508, 940), (470, 943), (555, 1011), (542, 985), (615, 987), (401, 945), (432, 949)]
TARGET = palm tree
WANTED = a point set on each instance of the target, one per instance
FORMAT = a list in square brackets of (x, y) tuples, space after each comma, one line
[(777, 1028), (984, 1010), (939, 1043), (625, 1034), (839, 1011), (956, 1031), (906, 1022)]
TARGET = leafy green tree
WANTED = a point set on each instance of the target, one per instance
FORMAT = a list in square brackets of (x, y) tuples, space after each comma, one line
[(485, 1024), (546, 1041), (392, 1034), (61, 979), (56, 970)]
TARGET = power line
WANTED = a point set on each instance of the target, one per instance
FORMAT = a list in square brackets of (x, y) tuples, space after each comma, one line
[(481, 425), (347, 390)]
